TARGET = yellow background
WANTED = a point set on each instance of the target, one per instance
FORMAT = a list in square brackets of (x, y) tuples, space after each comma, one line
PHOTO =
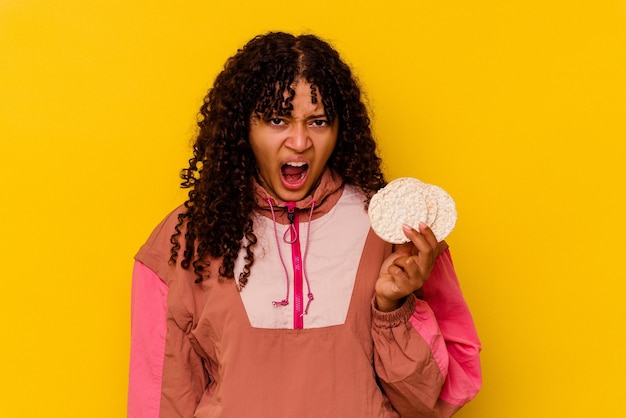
[(517, 108)]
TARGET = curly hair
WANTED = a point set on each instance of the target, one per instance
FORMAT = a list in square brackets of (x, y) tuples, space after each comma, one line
[(258, 80)]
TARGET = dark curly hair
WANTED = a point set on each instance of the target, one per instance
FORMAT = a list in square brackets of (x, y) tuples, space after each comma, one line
[(222, 168)]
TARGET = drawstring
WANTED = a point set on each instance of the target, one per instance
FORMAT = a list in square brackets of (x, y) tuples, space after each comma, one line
[(285, 301), (290, 240), (306, 250), (291, 215)]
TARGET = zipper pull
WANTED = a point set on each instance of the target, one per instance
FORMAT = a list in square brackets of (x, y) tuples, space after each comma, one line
[(291, 231), (291, 212)]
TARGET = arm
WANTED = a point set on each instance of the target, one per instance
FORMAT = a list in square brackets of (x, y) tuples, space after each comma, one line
[(184, 375), (167, 377), (411, 360), (427, 268), (443, 294), (410, 357), (148, 308)]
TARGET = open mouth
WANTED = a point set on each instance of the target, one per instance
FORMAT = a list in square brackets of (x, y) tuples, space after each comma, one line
[(293, 173)]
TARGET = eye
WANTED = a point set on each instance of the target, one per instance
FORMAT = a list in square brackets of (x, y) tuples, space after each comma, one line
[(276, 121), (319, 122)]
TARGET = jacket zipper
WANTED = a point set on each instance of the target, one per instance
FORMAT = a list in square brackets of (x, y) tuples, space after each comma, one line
[(296, 258)]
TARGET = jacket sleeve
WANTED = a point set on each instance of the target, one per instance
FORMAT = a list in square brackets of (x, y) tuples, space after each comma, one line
[(410, 358), (147, 343), (443, 294), (426, 352), (184, 375)]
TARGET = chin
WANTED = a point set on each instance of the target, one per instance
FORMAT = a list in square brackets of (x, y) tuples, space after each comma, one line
[(292, 195)]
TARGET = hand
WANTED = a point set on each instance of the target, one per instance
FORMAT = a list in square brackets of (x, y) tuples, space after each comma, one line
[(407, 268)]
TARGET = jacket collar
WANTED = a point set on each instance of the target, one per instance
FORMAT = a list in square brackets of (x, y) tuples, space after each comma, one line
[(325, 195)]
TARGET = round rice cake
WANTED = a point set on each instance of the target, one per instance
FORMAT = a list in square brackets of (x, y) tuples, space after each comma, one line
[(407, 200), (445, 219), (431, 204), (402, 201)]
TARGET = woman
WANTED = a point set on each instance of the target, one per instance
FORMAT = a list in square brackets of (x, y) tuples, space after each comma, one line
[(267, 294)]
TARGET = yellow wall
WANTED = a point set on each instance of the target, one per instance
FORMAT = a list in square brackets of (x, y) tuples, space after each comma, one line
[(517, 108)]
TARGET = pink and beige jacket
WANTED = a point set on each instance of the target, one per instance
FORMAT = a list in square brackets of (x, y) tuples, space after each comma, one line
[(303, 337)]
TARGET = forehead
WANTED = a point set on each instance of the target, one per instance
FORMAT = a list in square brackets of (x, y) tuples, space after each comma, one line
[(299, 86), (306, 98), (283, 97)]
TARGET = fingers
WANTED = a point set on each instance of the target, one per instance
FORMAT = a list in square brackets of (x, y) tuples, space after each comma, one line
[(408, 274), (408, 248), (403, 282), (417, 257), (425, 243), (424, 239), (406, 270)]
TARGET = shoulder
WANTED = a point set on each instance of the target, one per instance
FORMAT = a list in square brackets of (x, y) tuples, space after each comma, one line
[(155, 252)]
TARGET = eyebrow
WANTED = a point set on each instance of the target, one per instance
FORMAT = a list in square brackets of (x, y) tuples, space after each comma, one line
[(310, 117)]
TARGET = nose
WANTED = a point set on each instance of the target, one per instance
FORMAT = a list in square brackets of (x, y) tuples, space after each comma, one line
[(299, 139)]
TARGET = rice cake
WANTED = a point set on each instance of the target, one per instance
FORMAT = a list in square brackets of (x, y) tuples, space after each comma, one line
[(407, 200)]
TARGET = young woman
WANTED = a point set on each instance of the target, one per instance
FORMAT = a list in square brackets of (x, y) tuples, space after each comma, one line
[(267, 294)]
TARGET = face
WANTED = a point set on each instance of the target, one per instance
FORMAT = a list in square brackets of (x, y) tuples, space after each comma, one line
[(292, 151)]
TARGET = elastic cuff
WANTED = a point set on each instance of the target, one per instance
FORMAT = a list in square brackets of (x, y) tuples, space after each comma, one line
[(394, 318)]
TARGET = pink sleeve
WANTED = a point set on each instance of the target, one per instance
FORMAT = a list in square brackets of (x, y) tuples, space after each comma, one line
[(147, 342), (443, 294), (410, 357)]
